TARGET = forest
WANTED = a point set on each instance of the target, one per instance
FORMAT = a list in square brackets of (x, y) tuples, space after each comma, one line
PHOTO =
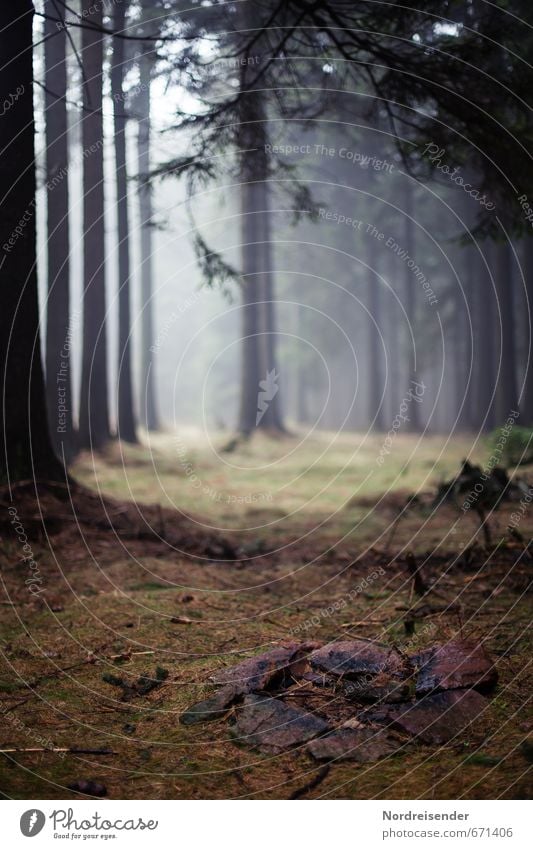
[(266, 464)]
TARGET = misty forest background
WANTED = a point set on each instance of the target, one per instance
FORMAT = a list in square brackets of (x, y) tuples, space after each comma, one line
[(265, 343), (146, 202)]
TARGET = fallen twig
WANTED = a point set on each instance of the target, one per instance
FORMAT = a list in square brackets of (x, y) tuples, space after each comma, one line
[(66, 750)]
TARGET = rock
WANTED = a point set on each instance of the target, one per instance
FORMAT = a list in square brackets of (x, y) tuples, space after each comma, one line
[(269, 725), (362, 745), (353, 658), (378, 688), (212, 708), (456, 665), (436, 719), (262, 671)]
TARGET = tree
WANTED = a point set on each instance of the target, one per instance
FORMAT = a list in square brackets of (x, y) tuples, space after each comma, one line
[(94, 429), (27, 450), (410, 294), (374, 329), (126, 416), (486, 376), (506, 393), (142, 103), (527, 403), (58, 332), (260, 403)]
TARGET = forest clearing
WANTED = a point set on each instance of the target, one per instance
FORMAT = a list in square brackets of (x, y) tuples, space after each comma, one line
[(148, 604)]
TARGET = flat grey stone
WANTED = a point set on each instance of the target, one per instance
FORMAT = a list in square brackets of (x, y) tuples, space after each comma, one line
[(354, 658), (362, 745), (456, 665), (271, 726)]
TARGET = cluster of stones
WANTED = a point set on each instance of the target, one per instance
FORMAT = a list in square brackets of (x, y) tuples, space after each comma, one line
[(374, 698)]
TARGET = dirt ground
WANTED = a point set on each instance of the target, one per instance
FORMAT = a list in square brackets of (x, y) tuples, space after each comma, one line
[(187, 559)]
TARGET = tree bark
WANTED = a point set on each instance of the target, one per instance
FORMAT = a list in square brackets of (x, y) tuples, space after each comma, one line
[(26, 447), (59, 333), (125, 413), (150, 414), (94, 429)]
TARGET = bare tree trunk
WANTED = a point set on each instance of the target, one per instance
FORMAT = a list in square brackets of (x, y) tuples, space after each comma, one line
[(410, 295), (272, 418), (260, 399), (459, 341), (26, 448), (375, 383), (471, 330), (94, 414), (250, 358), (126, 416), (527, 405), (486, 375), (149, 414), (58, 330), (507, 393), (394, 317)]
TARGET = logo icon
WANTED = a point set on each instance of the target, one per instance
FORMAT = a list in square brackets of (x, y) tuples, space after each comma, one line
[(269, 388), (32, 822)]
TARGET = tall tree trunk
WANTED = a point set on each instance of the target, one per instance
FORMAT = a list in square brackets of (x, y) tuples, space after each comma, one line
[(260, 397), (471, 330), (375, 382), (506, 394), (486, 374), (410, 296), (272, 418), (460, 347), (149, 414), (394, 319), (250, 354), (94, 414), (58, 331), (126, 417), (527, 405), (26, 449)]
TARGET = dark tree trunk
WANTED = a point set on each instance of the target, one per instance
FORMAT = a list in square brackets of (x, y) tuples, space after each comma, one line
[(506, 394), (149, 413), (260, 397), (394, 317), (94, 415), (250, 358), (26, 450), (272, 418), (527, 405), (460, 345), (410, 298), (375, 382), (486, 341), (469, 327), (58, 330), (125, 415)]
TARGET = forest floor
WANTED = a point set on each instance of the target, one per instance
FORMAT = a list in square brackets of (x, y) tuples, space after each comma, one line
[(138, 581)]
